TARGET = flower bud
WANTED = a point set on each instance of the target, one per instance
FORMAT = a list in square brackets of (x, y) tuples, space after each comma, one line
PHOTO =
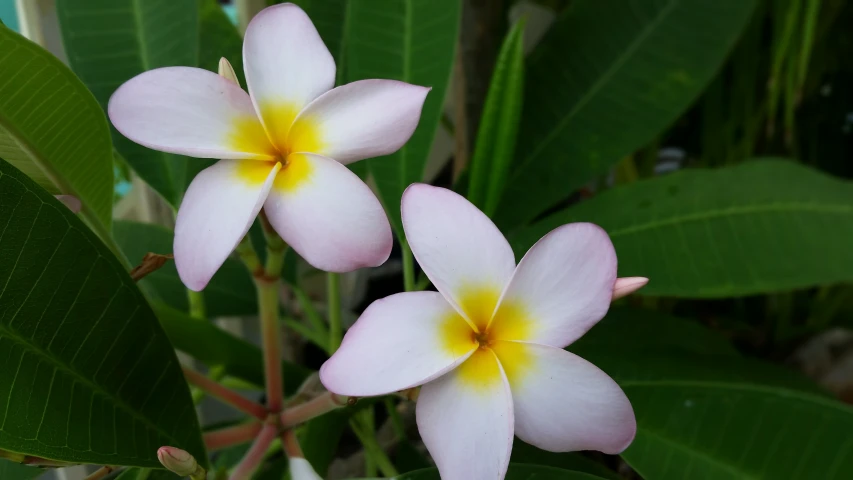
[(226, 71), (178, 461), (300, 469)]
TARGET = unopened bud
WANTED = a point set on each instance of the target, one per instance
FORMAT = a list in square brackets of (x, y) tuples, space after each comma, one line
[(226, 71), (628, 285), (70, 201), (300, 469), (179, 462)]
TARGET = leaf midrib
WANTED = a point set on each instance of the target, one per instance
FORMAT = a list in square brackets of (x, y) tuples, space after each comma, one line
[(786, 207), (598, 85)]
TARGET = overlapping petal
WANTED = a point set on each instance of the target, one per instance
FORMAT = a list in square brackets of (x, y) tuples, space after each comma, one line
[(328, 215), (466, 420), (189, 111), (564, 403), (399, 342), (363, 119), (562, 286), (462, 252), (219, 207), (287, 66)]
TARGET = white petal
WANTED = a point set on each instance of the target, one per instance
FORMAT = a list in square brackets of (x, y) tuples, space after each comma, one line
[(189, 111), (462, 252), (363, 119), (328, 215), (287, 65), (561, 287), (300, 469), (399, 342), (216, 212), (466, 420), (564, 403)]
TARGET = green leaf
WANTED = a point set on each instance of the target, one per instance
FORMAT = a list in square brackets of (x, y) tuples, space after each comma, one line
[(15, 471), (87, 374), (499, 124), (212, 346), (52, 129), (413, 41), (109, 42), (218, 38), (720, 416), (146, 474), (515, 472), (528, 454), (230, 292), (763, 226), (608, 78)]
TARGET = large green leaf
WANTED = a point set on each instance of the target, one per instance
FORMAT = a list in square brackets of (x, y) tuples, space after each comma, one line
[(109, 42), (762, 226), (52, 129), (230, 291), (524, 453), (212, 346), (706, 416), (87, 374), (607, 78), (499, 125), (218, 38), (515, 472), (413, 41)]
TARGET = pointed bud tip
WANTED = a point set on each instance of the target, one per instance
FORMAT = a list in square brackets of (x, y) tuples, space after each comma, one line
[(628, 285), (177, 461), (226, 71)]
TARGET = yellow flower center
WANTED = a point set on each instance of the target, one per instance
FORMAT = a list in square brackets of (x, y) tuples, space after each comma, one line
[(491, 333), (281, 139)]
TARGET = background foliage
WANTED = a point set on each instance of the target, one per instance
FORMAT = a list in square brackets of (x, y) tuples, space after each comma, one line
[(710, 138)]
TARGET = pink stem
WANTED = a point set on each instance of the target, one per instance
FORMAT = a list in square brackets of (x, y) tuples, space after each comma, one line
[(226, 437), (290, 444), (628, 285), (256, 453), (271, 342), (225, 394), (313, 408)]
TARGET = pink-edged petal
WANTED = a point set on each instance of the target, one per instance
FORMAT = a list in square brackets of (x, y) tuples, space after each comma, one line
[(215, 214), (189, 111), (564, 403), (363, 119), (561, 287), (287, 66), (328, 215), (399, 342), (466, 420), (300, 469), (462, 252), (628, 285)]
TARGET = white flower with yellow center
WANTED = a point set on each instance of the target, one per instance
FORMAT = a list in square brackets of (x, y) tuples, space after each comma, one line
[(488, 346), (283, 147)]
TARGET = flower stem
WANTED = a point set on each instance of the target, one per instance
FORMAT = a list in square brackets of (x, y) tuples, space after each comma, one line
[(226, 395), (246, 251), (290, 444), (333, 296), (408, 267), (315, 407), (271, 342), (372, 449), (226, 437), (100, 473), (196, 301), (256, 453)]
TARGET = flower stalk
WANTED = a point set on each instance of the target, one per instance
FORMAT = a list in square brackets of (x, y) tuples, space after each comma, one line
[(256, 453), (333, 294), (315, 407), (227, 437), (225, 394)]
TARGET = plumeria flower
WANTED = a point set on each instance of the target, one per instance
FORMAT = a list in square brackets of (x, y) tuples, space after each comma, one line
[(488, 346), (283, 147)]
